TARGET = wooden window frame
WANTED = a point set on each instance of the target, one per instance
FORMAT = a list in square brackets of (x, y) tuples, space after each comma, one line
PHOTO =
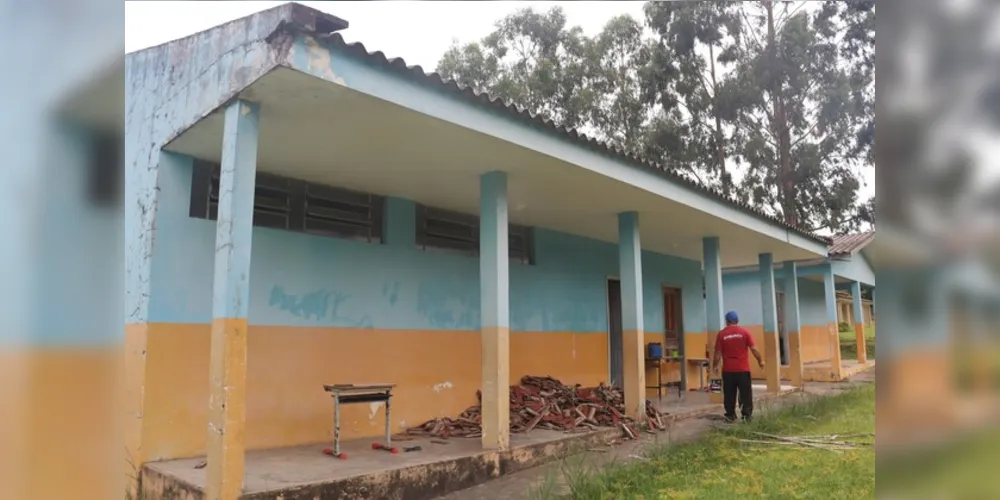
[(447, 230), (342, 213), (294, 205), (432, 227)]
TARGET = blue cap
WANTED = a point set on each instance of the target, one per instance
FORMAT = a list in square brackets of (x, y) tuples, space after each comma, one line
[(732, 317)]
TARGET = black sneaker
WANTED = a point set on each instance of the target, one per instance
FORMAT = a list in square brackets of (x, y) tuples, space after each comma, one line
[(730, 419), (747, 419)]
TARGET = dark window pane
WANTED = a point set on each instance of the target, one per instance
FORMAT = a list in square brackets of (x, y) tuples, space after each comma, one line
[(283, 203)]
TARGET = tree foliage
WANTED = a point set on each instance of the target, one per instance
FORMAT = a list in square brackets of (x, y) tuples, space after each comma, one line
[(772, 102)]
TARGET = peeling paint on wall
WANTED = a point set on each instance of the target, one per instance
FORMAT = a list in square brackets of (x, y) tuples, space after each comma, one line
[(319, 61), (168, 88), (373, 409), (391, 291), (450, 302), (319, 304), (442, 386)]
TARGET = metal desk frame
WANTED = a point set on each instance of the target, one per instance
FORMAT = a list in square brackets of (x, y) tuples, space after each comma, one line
[(658, 363), (350, 393)]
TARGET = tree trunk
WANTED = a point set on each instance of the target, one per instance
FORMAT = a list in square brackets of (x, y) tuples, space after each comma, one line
[(786, 173), (720, 154)]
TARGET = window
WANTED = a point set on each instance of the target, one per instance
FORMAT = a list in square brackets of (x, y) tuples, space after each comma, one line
[(106, 171), (521, 244), (282, 203), (346, 214), (455, 231), (443, 229)]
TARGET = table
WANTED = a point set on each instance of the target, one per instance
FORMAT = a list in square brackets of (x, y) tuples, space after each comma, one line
[(657, 362), (350, 393), (703, 364)]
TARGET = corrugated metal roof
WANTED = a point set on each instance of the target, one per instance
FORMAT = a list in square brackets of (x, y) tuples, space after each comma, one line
[(847, 244), (437, 82)]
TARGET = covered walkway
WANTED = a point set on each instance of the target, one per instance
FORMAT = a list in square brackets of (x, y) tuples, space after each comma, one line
[(323, 215)]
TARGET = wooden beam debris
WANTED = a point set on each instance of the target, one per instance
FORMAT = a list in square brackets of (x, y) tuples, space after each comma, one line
[(547, 403)]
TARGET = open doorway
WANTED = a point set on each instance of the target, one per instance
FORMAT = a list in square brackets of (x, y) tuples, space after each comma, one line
[(615, 349), (779, 301)]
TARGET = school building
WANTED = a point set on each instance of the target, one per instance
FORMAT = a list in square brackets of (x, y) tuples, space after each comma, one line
[(303, 211)]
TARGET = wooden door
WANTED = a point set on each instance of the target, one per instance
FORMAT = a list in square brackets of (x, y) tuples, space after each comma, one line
[(673, 328), (671, 318)]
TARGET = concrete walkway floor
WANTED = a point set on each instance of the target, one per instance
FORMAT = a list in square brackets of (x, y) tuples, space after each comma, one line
[(526, 484)]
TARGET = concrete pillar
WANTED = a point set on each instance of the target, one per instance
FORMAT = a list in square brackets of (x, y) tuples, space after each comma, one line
[(494, 292), (830, 293), (630, 270), (793, 324), (230, 296), (772, 356), (859, 322), (714, 312), (984, 349), (155, 220)]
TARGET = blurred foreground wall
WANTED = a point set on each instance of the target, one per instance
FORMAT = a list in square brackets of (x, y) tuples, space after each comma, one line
[(60, 216), (938, 248)]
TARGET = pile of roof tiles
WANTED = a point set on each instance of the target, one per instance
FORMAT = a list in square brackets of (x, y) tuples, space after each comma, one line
[(546, 403)]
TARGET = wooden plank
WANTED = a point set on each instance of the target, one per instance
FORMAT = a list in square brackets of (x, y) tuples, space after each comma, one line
[(355, 389)]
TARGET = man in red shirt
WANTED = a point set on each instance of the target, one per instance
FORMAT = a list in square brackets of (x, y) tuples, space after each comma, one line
[(731, 349)]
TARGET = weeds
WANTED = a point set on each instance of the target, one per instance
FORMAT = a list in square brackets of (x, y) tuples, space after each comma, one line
[(133, 486), (849, 344), (720, 466)]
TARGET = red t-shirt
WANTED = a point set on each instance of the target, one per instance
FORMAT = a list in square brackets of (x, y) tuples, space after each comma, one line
[(734, 342)]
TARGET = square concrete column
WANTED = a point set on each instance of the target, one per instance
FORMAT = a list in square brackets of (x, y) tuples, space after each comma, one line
[(985, 348), (494, 293), (714, 313), (630, 269), (830, 293), (859, 322), (772, 356), (230, 296), (793, 324)]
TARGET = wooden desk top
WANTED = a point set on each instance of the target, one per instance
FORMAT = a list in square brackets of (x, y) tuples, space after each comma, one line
[(351, 388), (676, 360)]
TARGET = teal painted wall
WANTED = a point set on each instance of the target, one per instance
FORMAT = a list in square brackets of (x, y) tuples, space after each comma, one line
[(74, 294), (741, 293), (303, 280), (855, 268)]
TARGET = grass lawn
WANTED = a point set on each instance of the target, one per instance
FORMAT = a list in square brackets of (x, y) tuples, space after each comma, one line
[(849, 344), (720, 466)]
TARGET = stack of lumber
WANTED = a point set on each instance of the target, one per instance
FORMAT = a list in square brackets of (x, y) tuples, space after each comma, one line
[(547, 403), (831, 442)]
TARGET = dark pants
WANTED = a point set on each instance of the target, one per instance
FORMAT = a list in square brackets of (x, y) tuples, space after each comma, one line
[(731, 383)]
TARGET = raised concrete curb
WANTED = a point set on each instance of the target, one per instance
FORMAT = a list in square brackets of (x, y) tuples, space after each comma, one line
[(430, 480)]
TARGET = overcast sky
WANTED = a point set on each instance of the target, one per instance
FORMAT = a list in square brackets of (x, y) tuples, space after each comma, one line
[(419, 32)]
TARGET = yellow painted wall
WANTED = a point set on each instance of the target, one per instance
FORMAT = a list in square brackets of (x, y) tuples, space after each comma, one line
[(815, 346), (573, 358), (57, 424), (695, 349), (437, 374), (920, 392)]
